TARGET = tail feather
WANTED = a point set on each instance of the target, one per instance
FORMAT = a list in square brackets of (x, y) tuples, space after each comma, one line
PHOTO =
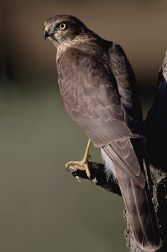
[(141, 213), (134, 189)]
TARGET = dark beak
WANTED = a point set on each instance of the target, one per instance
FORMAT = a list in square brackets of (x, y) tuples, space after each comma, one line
[(46, 34)]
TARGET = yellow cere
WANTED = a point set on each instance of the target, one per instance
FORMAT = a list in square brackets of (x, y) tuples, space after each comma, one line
[(47, 28)]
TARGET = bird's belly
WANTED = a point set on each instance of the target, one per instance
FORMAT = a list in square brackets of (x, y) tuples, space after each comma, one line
[(109, 164)]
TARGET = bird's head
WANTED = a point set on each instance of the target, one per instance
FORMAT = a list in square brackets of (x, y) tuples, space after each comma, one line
[(63, 28)]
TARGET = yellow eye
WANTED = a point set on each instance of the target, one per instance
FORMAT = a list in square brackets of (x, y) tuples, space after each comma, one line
[(62, 26)]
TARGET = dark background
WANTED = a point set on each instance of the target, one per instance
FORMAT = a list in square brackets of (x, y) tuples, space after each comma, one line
[(42, 208)]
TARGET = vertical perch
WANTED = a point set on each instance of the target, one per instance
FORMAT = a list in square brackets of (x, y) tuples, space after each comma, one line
[(156, 134)]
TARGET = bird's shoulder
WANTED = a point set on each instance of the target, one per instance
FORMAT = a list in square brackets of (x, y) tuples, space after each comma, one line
[(97, 67), (86, 64), (127, 85)]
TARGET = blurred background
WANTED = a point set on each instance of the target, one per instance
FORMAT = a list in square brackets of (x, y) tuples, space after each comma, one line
[(43, 208)]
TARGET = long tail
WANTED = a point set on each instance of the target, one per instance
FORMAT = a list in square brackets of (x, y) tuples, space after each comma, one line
[(140, 212), (127, 158)]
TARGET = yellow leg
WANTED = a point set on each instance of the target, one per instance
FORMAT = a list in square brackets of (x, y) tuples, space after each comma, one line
[(84, 161)]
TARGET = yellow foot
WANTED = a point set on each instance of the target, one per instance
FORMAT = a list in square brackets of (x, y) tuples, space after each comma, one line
[(84, 162), (81, 163)]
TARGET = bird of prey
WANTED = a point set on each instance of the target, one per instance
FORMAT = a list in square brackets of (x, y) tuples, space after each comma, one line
[(99, 91)]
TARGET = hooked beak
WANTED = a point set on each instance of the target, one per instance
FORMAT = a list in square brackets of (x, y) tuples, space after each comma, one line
[(46, 32)]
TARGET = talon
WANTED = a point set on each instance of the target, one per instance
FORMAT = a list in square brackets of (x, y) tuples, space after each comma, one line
[(83, 162), (87, 170), (78, 178), (67, 165)]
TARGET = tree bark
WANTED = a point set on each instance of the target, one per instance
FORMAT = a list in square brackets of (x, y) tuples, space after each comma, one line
[(155, 131)]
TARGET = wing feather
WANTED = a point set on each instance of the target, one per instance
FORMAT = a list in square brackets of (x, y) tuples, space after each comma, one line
[(102, 96)]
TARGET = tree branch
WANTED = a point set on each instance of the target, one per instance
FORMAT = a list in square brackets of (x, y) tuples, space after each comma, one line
[(98, 176)]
